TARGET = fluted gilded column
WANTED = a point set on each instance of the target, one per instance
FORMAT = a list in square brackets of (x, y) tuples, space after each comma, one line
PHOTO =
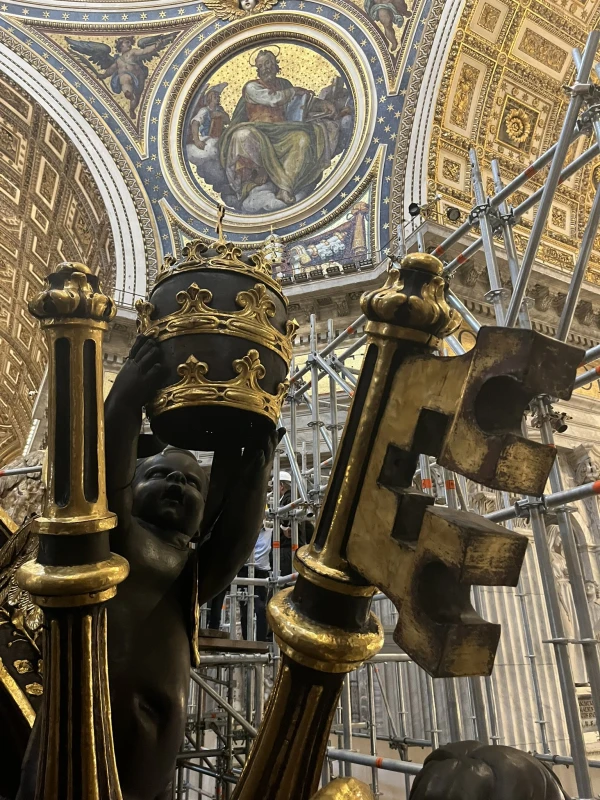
[(75, 573)]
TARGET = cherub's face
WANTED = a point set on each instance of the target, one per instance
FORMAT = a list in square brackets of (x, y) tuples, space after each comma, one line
[(248, 5), (168, 492)]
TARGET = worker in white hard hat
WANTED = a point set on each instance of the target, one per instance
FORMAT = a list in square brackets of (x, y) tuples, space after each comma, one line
[(285, 482)]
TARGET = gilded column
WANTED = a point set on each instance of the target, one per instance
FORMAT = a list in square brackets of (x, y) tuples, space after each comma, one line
[(75, 573)]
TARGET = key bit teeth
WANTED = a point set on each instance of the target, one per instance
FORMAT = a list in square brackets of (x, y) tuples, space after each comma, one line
[(437, 624)]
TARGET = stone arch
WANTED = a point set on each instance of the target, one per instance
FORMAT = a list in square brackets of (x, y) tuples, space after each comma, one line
[(130, 259), (421, 106), (52, 209)]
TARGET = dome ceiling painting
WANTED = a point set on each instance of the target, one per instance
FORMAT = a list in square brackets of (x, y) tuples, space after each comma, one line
[(285, 112), (50, 211)]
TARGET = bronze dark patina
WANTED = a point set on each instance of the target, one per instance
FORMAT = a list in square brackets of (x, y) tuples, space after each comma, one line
[(220, 320), (470, 770)]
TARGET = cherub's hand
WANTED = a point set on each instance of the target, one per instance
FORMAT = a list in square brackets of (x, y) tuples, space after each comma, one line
[(141, 375), (239, 482), (234, 511)]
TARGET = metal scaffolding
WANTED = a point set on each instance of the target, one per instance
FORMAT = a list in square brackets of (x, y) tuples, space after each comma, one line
[(389, 704)]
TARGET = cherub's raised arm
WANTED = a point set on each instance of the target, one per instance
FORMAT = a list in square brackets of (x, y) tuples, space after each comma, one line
[(151, 49), (242, 490), (134, 386), (151, 45)]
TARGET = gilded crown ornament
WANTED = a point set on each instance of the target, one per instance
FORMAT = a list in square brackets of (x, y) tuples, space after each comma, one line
[(225, 255), (243, 391), (251, 322), (413, 297), (72, 291), (220, 319)]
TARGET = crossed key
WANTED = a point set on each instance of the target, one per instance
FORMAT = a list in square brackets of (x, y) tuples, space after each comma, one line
[(467, 411)]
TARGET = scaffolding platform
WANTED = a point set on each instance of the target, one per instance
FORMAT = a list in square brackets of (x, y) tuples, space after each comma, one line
[(218, 644)]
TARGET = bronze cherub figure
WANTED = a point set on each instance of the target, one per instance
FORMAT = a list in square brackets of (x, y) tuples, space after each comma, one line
[(163, 503)]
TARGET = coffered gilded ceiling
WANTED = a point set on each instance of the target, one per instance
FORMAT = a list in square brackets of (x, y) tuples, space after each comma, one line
[(502, 93), (50, 211)]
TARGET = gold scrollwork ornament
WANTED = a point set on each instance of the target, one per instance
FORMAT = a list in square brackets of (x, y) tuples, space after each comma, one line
[(72, 291), (196, 316), (428, 312), (243, 391), (518, 125)]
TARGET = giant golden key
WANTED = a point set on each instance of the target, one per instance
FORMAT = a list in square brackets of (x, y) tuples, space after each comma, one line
[(377, 532), (466, 411)]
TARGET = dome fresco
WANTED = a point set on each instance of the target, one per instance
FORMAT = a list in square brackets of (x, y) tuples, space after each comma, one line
[(259, 143), (175, 93)]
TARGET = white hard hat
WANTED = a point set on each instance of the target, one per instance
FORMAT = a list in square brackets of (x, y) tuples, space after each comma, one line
[(285, 476)]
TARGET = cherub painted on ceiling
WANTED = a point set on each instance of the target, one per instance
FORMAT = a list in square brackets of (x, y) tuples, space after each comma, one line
[(126, 68)]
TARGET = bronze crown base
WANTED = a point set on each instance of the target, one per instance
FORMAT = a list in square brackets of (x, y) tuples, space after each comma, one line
[(198, 413), (206, 427)]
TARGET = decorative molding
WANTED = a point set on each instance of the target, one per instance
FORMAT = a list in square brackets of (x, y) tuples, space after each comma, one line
[(410, 159)]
